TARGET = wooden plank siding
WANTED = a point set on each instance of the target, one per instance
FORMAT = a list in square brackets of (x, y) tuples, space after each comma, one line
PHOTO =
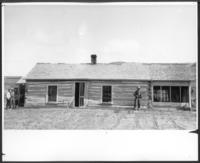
[(36, 94), (38, 91), (122, 92)]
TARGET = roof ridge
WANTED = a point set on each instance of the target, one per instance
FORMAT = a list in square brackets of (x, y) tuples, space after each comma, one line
[(119, 62)]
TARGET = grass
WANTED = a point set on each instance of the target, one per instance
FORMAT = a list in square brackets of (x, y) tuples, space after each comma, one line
[(61, 118)]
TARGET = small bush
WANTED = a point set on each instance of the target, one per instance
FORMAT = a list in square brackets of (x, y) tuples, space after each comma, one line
[(193, 103), (184, 107)]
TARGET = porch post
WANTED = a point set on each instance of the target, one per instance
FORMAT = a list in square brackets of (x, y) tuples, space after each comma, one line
[(46, 95), (150, 95), (86, 94), (190, 93)]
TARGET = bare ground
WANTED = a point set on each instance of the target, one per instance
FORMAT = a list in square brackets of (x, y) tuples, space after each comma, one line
[(60, 118)]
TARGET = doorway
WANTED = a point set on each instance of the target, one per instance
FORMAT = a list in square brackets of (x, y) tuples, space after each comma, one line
[(21, 93), (79, 94)]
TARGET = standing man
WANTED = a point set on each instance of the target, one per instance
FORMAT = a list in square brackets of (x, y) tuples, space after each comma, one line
[(8, 98), (13, 99), (138, 96)]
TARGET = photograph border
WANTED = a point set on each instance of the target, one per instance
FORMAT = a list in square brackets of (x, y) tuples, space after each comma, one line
[(97, 1)]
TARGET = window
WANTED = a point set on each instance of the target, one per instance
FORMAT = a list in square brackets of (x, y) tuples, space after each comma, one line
[(165, 94), (175, 94), (156, 92), (171, 94), (107, 94), (184, 94), (52, 93)]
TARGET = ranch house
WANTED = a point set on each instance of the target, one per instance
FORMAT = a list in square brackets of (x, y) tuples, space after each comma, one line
[(111, 84)]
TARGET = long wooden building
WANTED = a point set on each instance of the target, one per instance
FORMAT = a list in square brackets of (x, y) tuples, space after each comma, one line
[(111, 84)]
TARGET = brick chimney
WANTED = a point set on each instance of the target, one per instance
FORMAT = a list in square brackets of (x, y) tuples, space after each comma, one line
[(93, 59)]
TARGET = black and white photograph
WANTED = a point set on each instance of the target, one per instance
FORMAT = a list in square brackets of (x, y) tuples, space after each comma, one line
[(109, 67)]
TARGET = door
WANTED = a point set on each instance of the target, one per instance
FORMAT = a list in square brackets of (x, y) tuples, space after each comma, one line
[(81, 97), (21, 94), (79, 94), (52, 93)]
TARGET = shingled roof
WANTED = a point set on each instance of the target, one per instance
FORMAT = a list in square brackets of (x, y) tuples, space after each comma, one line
[(113, 71)]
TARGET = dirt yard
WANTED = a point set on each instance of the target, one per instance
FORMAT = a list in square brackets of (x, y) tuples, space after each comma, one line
[(60, 118)]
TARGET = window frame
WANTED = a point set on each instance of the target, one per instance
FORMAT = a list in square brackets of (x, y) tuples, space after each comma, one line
[(47, 94), (161, 87), (110, 102), (179, 88), (170, 93), (188, 96), (159, 93)]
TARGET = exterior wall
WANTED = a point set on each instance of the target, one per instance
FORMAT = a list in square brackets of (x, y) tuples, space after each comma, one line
[(37, 93), (122, 92)]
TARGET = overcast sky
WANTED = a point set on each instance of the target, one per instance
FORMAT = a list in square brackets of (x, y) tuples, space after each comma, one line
[(70, 33)]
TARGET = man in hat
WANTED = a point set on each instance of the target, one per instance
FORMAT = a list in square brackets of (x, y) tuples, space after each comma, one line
[(8, 98), (138, 96)]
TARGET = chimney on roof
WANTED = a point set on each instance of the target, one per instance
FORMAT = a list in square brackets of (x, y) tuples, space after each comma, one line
[(93, 59)]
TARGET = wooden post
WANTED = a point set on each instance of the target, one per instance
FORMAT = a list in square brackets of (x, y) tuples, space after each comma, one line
[(86, 94), (73, 93), (150, 95), (190, 93), (46, 97)]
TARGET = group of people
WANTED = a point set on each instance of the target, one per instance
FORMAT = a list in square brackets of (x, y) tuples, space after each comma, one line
[(10, 99)]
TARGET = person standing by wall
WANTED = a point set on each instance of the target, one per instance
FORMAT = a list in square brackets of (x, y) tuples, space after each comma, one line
[(8, 98), (138, 96)]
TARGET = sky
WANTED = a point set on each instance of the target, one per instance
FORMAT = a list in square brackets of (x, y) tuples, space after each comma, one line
[(129, 32)]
